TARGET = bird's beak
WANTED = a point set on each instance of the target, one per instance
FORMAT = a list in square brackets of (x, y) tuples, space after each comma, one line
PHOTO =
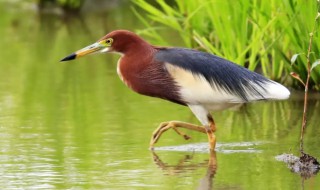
[(93, 48)]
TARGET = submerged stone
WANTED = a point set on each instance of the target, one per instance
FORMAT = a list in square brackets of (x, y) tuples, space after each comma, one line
[(306, 165)]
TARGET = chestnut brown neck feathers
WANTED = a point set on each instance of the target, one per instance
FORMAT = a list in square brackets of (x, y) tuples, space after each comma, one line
[(139, 70)]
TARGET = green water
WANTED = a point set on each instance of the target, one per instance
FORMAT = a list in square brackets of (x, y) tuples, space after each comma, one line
[(74, 125)]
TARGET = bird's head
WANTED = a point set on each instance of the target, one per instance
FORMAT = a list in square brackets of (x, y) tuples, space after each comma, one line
[(118, 41)]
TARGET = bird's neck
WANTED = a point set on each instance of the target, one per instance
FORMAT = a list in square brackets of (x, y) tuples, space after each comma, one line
[(137, 57), (133, 64)]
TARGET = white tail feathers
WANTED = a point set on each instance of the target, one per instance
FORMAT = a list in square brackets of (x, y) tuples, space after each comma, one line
[(276, 91)]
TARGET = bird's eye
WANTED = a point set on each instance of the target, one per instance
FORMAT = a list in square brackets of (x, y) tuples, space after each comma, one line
[(109, 41)]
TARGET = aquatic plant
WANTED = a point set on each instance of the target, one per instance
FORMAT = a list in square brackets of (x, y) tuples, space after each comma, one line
[(306, 165), (310, 69)]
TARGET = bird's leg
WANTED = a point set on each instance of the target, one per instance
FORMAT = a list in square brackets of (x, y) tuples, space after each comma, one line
[(204, 116), (210, 132), (174, 125)]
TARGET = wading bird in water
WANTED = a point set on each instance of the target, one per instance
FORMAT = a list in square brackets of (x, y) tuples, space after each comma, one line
[(199, 80)]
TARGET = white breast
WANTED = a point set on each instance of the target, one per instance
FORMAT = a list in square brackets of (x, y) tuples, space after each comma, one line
[(120, 74), (118, 69)]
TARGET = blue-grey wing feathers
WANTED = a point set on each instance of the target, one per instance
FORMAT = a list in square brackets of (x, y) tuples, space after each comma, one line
[(223, 74)]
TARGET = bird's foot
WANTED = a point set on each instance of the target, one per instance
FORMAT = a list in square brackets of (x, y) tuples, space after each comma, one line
[(174, 125), (211, 136)]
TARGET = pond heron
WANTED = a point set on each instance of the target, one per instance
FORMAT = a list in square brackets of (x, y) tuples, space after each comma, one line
[(202, 81)]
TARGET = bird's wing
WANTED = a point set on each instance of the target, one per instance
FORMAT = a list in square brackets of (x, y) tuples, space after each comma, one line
[(206, 78)]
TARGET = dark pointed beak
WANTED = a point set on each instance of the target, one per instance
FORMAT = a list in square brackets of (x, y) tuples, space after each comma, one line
[(69, 57), (93, 48)]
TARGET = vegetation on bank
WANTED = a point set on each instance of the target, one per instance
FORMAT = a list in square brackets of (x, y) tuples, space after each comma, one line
[(260, 35), (67, 5)]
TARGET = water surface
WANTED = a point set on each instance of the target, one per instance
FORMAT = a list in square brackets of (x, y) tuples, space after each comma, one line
[(75, 125)]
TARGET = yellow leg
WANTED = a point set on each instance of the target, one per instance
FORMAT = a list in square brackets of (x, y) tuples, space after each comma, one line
[(210, 132), (174, 125), (212, 140)]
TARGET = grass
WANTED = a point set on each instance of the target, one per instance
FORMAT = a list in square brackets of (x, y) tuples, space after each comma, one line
[(260, 35)]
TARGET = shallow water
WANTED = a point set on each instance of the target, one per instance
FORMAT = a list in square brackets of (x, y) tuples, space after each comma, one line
[(76, 126)]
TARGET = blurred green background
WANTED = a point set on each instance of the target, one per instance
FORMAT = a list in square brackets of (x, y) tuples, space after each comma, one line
[(75, 125)]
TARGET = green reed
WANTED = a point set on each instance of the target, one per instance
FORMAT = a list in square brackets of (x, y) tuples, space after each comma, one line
[(260, 35)]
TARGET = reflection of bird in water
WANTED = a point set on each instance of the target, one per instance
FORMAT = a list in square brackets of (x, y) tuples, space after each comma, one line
[(184, 165), (201, 81)]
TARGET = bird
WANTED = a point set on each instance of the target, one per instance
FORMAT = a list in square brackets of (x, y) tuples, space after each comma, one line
[(199, 80)]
